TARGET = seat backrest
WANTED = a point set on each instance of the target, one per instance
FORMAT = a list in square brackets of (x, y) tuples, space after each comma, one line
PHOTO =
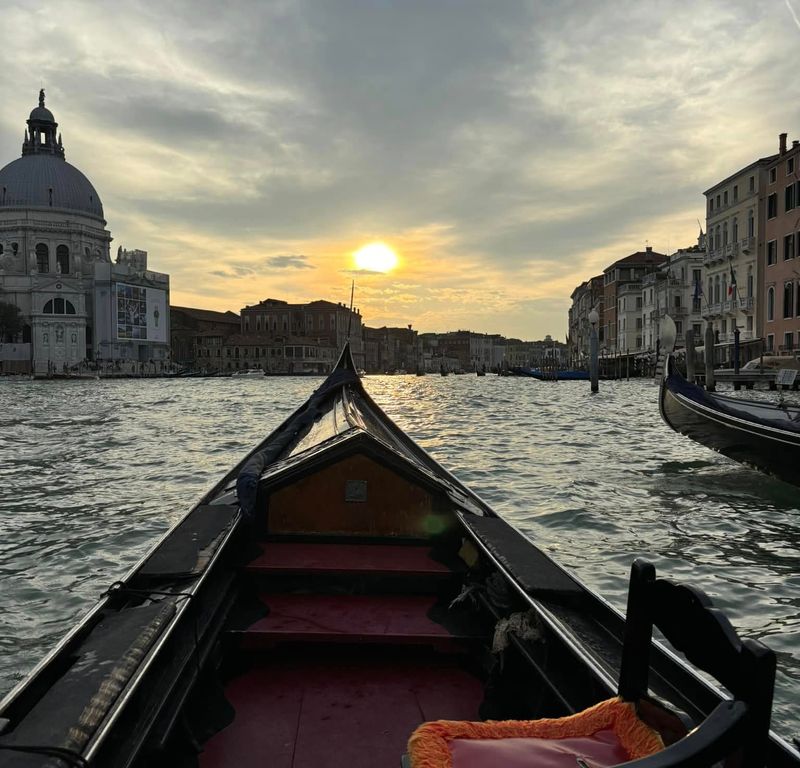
[(688, 620)]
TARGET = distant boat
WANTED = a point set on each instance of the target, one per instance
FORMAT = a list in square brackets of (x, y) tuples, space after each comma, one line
[(247, 373), (536, 373), (765, 436)]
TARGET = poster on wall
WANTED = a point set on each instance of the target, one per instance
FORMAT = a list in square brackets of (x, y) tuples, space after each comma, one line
[(141, 313)]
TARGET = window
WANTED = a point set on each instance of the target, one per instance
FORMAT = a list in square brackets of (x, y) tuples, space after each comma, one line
[(711, 205), (790, 166), (788, 198), (749, 323), (718, 202), (716, 290), (788, 247), (772, 206), (773, 174), (42, 258), (752, 185), (59, 306), (697, 330), (62, 259), (735, 192), (751, 224), (735, 233), (771, 304), (678, 327), (770, 342), (725, 234), (772, 252), (677, 300), (14, 248), (710, 289), (696, 306), (750, 283), (725, 197), (788, 299)]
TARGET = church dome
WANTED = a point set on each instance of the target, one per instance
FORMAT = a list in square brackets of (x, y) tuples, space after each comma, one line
[(43, 114), (41, 178), (47, 181)]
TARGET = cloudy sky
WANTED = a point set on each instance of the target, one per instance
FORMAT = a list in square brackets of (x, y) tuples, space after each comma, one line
[(506, 150)]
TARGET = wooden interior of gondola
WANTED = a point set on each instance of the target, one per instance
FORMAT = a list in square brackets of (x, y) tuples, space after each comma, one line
[(344, 640)]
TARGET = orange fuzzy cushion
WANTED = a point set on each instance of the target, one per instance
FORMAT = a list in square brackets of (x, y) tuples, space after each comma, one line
[(430, 744)]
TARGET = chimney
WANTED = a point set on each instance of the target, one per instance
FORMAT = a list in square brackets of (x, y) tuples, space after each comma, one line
[(795, 143), (649, 248), (782, 138)]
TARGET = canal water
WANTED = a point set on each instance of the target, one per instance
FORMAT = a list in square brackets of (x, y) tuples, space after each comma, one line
[(93, 472)]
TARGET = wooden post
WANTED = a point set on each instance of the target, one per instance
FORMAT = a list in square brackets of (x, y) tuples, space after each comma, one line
[(709, 355), (690, 375), (593, 350)]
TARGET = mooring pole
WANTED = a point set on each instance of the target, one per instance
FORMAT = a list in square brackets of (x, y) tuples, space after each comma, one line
[(690, 356), (709, 356), (593, 351)]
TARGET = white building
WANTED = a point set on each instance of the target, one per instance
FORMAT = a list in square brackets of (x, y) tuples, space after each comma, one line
[(55, 266)]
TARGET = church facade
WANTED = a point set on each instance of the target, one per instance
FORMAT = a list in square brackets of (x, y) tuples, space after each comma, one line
[(79, 310)]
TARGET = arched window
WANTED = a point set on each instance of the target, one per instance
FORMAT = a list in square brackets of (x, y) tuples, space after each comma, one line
[(716, 290), (724, 291), (717, 238), (59, 306), (788, 299), (725, 234), (750, 283), (771, 304), (62, 259), (42, 258)]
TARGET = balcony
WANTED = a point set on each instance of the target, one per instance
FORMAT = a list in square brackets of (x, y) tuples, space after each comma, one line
[(746, 304), (747, 244), (712, 256)]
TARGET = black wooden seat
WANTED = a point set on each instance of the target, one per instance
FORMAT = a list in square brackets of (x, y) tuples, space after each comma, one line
[(685, 615), (688, 620)]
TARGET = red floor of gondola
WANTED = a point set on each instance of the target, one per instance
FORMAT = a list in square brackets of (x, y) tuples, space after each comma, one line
[(354, 709)]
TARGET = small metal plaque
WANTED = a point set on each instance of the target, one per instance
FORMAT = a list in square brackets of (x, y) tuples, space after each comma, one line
[(785, 377), (355, 490)]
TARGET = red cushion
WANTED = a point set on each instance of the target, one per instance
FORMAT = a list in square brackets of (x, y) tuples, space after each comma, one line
[(599, 750)]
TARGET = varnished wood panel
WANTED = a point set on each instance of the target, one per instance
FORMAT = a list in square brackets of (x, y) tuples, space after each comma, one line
[(394, 506)]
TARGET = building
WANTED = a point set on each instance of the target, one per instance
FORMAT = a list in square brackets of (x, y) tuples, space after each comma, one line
[(387, 350), (198, 336), (587, 296), (781, 291), (735, 216), (630, 269), (674, 289), (77, 306), (311, 336)]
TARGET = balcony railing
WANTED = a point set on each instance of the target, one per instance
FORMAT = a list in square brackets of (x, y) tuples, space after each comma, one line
[(746, 303), (747, 244)]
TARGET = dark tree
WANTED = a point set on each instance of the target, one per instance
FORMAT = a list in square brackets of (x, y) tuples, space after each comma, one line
[(10, 321)]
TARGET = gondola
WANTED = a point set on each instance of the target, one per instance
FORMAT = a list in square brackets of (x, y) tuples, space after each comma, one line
[(762, 435), (338, 598)]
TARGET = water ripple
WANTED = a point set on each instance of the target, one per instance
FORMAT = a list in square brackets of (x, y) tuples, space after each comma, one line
[(92, 473)]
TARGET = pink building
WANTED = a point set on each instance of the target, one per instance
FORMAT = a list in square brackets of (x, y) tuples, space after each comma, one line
[(781, 298)]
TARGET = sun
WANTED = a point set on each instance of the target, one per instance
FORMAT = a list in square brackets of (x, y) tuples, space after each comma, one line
[(375, 257)]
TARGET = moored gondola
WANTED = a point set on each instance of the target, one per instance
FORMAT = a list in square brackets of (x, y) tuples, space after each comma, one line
[(338, 588), (762, 435)]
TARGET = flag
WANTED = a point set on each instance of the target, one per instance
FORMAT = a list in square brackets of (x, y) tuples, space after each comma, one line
[(698, 289), (732, 286)]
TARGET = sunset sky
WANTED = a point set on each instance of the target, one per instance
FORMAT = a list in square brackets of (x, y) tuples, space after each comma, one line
[(504, 150)]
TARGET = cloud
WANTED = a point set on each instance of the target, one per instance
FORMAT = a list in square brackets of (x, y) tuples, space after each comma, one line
[(292, 261), (507, 152)]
